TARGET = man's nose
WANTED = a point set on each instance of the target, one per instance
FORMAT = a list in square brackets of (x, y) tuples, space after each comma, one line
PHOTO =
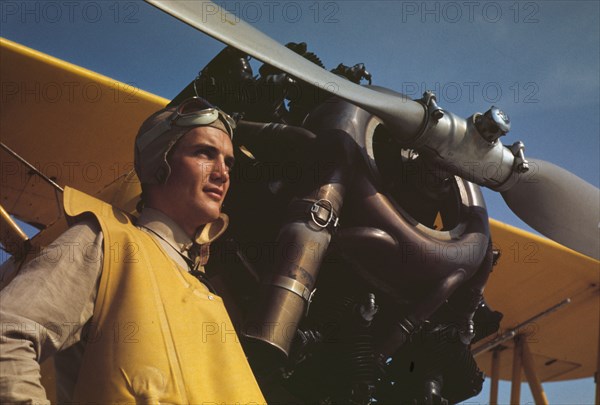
[(220, 170)]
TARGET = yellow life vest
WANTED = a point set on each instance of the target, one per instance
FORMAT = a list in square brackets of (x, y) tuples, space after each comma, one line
[(158, 335)]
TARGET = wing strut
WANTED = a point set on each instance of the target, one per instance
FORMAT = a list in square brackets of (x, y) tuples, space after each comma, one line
[(495, 377), (12, 237), (513, 333), (31, 167), (529, 367)]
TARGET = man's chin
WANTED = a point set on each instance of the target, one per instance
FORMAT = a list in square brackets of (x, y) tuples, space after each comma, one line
[(213, 215)]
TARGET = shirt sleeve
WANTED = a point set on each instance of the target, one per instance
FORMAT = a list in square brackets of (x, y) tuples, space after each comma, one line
[(44, 308)]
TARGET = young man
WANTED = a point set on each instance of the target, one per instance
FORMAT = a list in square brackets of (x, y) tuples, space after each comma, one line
[(141, 324)]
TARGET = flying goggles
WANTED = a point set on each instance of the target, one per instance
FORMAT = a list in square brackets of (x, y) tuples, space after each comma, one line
[(193, 112)]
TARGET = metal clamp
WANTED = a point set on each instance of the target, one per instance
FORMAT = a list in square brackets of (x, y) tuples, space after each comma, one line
[(433, 113), (332, 218), (521, 164), (294, 286)]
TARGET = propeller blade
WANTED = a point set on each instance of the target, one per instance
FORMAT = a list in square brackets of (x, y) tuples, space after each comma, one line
[(559, 205), (397, 111), (555, 202)]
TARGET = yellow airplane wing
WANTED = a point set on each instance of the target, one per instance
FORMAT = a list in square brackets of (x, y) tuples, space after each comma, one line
[(535, 275), (73, 125), (77, 128)]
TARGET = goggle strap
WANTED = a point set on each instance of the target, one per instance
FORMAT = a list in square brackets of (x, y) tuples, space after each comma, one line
[(228, 121), (156, 131)]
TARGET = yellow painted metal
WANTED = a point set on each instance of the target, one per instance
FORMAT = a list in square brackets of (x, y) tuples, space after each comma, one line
[(532, 275), (495, 377), (12, 237), (515, 387), (75, 126), (535, 385), (597, 374), (10, 226)]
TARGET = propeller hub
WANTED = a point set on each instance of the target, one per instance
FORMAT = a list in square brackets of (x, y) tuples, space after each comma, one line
[(493, 124)]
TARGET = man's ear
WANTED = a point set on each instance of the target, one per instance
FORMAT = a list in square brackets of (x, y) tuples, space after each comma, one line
[(149, 194), (161, 174)]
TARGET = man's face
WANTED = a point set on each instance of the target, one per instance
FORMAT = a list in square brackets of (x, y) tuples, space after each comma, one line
[(200, 163)]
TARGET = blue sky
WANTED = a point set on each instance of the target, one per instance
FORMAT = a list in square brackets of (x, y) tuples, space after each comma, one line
[(538, 60)]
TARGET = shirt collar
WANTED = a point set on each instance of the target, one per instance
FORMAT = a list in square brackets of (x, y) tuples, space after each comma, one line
[(165, 228), (174, 235)]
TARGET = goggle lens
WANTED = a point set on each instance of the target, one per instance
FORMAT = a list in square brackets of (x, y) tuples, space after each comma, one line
[(191, 112), (197, 111)]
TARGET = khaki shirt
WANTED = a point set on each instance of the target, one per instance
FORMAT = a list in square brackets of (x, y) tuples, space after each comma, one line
[(45, 309)]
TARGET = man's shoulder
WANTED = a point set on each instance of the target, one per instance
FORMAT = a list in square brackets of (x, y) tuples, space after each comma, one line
[(78, 248), (85, 226)]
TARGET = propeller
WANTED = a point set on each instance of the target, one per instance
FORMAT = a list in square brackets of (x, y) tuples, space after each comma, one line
[(559, 205), (398, 112), (553, 201)]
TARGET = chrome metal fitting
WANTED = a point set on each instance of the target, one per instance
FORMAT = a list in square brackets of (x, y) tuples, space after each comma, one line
[(316, 211), (493, 124)]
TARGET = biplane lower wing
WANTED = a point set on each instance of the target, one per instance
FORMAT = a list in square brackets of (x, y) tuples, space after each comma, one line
[(536, 276)]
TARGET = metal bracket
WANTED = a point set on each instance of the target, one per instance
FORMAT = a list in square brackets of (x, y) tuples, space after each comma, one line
[(296, 287), (521, 164), (332, 218), (433, 113)]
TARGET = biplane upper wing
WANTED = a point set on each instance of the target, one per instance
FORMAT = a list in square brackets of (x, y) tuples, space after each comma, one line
[(77, 127), (73, 125)]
